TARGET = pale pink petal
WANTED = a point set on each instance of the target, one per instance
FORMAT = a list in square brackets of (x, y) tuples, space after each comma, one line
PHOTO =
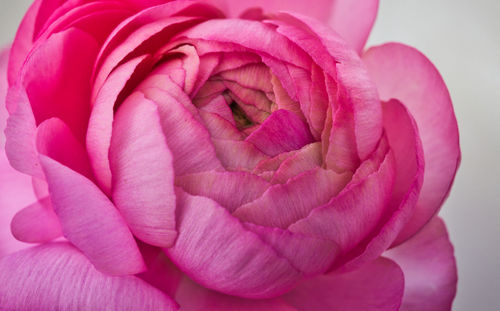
[(193, 297), (403, 73), (283, 131), (215, 250), (321, 9), (56, 77), (15, 187), (305, 159), (403, 138), (284, 204), (142, 172), (90, 221), (377, 286), (219, 127), (429, 267), (353, 20), (187, 138), (20, 133), (36, 223), (57, 276), (352, 216), (229, 189), (238, 155)]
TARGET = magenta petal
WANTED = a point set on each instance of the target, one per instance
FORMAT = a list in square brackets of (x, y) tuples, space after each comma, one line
[(36, 223), (377, 286), (142, 170), (403, 73), (429, 267), (281, 132), (216, 251), (57, 276), (353, 20), (90, 221)]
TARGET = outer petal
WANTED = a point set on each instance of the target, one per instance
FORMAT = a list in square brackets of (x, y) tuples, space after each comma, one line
[(404, 141), (429, 267), (353, 20), (15, 188), (403, 73), (57, 276), (216, 251), (193, 297), (377, 286), (320, 10), (90, 221), (143, 173)]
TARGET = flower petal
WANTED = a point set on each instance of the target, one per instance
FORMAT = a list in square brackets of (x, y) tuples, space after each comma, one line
[(353, 20), (320, 10), (284, 204), (58, 276), (377, 286), (15, 187), (193, 297), (215, 250), (403, 73), (229, 189), (281, 132), (101, 121), (143, 173), (187, 139), (403, 138), (36, 223), (429, 267), (90, 221)]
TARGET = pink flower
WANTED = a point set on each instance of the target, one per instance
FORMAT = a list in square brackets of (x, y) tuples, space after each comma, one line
[(222, 156)]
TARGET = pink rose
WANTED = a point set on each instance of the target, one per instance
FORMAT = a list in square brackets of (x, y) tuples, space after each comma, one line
[(215, 156)]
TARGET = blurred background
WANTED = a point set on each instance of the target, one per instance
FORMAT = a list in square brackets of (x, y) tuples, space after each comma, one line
[(462, 38)]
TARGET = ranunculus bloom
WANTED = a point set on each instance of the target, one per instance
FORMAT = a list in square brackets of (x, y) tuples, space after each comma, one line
[(211, 156)]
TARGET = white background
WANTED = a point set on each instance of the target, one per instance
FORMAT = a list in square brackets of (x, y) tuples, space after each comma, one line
[(462, 38)]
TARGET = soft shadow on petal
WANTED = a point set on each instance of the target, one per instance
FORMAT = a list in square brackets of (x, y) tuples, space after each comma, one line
[(429, 267), (403, 73), (58, 276)]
